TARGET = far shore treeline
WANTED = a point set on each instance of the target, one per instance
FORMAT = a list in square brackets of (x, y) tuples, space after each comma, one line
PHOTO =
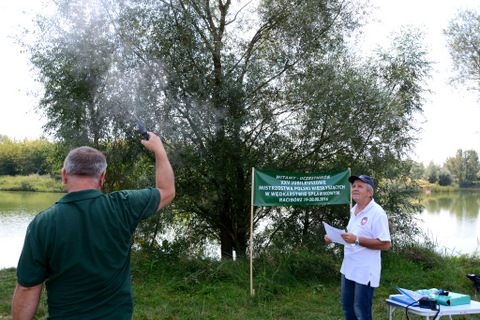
[(40, 157)]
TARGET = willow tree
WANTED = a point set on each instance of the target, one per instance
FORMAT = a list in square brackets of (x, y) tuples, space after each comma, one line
[(463, 38), (230, 86)]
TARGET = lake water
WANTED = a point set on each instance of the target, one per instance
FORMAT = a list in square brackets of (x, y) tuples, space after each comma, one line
[(17, 209), (451, 220)]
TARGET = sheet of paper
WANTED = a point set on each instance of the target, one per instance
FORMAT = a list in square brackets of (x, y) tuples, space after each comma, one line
[(334, 233)]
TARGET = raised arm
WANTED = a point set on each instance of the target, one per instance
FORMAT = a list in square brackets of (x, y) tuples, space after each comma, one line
[(164, 177)]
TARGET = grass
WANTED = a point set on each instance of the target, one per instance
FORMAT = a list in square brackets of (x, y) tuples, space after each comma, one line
[(209, 289), (7, 286), (33, 182)]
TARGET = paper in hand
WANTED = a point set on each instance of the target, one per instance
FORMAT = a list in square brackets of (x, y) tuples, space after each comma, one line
[(334, 234)]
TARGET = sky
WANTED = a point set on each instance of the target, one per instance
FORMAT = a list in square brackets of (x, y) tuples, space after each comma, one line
[(18, 120), (450, 118)]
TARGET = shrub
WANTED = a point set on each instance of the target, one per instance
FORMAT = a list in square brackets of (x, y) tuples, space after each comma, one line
[(445, 177)]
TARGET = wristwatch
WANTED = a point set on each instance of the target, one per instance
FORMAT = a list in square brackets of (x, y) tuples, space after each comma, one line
[(356, 241)]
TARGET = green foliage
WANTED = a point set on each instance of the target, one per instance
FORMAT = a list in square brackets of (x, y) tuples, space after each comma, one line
[(275, 273), (445, 177), (296, 229), (431, 173), (33, 182), (417, 170), (269, 84), (290, 267), (421, 254), (399, 199), (436, 188), (24, 157), (420, 266), (130, 165), (463, 38), (464, 167), (75, 100)]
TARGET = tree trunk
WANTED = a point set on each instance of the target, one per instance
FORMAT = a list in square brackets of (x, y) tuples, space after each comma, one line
[(226, 244)]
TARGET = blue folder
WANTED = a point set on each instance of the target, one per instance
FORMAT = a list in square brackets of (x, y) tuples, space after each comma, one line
[(408, 297)]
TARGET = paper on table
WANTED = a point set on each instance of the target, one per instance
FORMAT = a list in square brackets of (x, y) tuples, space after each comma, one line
[(334, 234)]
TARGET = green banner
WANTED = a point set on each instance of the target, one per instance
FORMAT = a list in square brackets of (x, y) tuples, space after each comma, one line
[(276, 188)]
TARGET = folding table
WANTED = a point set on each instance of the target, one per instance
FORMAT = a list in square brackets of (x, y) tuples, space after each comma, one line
[(472, 308)]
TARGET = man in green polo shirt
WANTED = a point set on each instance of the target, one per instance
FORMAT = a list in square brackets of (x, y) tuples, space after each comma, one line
[(80, 247)]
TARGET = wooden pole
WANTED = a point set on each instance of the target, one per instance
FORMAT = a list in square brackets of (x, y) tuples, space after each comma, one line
[(351, 205), (252, 291)]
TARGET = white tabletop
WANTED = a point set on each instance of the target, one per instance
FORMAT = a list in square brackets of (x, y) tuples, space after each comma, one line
[(471, 308)]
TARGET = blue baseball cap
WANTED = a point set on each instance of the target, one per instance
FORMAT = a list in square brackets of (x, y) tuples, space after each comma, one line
[(364, 178)]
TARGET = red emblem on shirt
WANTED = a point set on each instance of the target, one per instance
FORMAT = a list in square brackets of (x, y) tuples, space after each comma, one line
[(364, 220)]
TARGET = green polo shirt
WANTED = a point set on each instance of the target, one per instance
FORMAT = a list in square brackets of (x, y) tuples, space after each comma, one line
[(80, 248)]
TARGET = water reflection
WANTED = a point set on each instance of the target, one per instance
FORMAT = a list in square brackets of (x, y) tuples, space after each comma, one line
[(452, 221), (464, 204)]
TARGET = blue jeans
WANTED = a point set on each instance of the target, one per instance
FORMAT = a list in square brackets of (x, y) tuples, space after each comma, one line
[(356, 300)]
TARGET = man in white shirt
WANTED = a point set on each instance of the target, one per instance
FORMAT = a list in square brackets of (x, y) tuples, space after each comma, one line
[(367, 235)]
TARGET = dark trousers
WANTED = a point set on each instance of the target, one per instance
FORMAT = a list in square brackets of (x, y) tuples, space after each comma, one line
[(356, 300)]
